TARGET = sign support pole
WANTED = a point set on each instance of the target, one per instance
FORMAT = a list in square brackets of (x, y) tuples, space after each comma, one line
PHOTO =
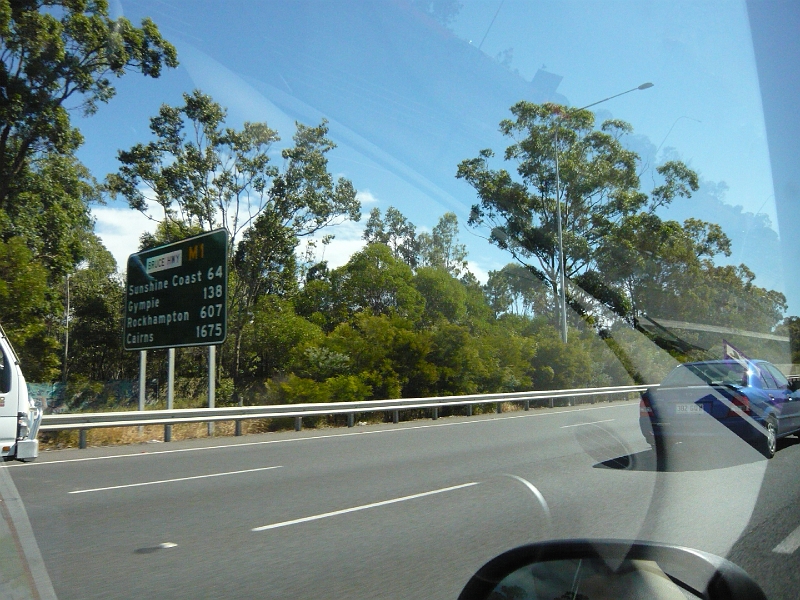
[(170, 390), (142, 381), (212, 382)]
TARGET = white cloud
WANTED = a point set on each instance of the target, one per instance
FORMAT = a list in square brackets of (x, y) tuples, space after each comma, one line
[(480, 273), (347, 241), (366, 197), (120, 229)]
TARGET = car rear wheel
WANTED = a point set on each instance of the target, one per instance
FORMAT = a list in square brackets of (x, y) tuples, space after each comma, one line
[(769, 443)]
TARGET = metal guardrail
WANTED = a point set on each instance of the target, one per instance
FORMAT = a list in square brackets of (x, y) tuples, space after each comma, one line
[(86, 421)]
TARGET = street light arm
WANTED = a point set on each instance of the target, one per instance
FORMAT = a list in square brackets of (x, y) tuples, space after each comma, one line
[(644, 86)]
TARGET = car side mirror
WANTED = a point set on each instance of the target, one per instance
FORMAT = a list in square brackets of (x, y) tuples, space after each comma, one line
[(609, 569)]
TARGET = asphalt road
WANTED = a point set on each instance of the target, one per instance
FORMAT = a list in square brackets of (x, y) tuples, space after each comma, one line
[(395, 511)]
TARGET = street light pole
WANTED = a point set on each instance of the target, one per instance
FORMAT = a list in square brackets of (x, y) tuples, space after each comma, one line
[(562, 298), (66, 334), (561, 275)]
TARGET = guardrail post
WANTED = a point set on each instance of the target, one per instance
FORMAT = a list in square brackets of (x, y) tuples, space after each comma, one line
[(351, 419), (527, 405), (298, 423), (395, 416), (469, 410), (551, 403), (435, 412), (499, 407), (237, 427), (167, 433), (82, 439)]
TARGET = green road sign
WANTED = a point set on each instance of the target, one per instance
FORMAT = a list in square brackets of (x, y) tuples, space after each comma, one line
[(177, 295)]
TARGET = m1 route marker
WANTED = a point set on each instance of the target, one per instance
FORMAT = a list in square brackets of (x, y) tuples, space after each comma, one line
[(176, 295)]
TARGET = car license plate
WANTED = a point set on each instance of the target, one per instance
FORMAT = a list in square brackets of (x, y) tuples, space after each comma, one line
[(685, 409)]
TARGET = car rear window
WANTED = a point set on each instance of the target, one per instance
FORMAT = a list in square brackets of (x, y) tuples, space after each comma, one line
[(698, 374), (780, 379), (769, 380)]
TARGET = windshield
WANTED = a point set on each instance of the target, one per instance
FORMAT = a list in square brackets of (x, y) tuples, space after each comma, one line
[(321, 216)]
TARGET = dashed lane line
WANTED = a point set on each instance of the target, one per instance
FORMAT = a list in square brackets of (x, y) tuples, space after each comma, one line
[(131, 485), (582, 424), (789, 544), (345, 511)]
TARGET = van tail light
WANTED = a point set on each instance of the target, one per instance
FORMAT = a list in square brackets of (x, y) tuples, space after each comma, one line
[(645, 410), (23, 429), (740, 402)]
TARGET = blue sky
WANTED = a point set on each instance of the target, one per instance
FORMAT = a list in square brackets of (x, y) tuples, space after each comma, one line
[(407, 99)]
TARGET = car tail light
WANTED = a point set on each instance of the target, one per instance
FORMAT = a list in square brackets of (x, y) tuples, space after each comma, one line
[(740, 402), (645, 410)]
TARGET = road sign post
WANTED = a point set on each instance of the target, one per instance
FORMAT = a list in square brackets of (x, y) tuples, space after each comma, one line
[(176, 296)]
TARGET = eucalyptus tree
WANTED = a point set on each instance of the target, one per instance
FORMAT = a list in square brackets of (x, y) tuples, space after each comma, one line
[(394, 230), (668, 269), (376, 282), (514, 290), (561, 160), (202, 175), (198, 174), (440, 247)]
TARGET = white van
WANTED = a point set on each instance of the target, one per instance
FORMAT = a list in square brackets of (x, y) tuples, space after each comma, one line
[(19, 418)]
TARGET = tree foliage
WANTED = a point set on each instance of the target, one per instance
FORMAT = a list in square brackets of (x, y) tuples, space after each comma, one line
[(57, 56), (96, 308), (667, 269), (199, 173), (393, 230), (515, 289), (440, 248), (374, 281), (24, 298)]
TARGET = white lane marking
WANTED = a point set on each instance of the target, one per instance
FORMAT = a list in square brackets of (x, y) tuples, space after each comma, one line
[(20, 528), (790, 544), (41, 463), (130, 485), (582, 424), (344, 511)]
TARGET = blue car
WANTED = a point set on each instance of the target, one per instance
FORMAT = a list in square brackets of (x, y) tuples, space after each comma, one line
[(753, 399)]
